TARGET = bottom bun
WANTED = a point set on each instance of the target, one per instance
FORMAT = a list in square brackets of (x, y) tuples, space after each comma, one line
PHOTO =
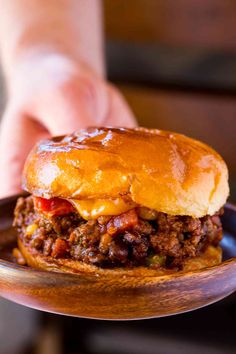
[(212, 256)]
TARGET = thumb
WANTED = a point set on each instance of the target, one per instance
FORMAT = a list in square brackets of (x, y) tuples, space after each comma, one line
[(120, 114), (74, 106), (18, 134)]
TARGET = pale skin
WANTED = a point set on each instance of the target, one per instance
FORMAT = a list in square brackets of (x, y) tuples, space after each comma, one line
[(53, 62)]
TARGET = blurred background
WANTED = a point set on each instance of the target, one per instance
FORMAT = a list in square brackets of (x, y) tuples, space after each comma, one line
[(175, 62)]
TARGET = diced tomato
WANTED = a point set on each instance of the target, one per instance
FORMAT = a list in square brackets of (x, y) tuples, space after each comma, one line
[(122, 222), (53, 206), (60, 248)]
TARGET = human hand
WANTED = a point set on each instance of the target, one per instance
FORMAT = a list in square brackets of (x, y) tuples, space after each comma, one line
[(51, 95)]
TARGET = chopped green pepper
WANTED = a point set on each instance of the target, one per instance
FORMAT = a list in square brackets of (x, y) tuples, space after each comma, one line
[(156, 259)]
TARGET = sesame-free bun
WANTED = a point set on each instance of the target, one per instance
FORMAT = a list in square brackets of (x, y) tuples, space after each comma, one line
[(165, 171), (210, 257)]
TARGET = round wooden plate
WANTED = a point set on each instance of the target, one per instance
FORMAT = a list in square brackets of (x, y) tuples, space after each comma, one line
[(119, 298)]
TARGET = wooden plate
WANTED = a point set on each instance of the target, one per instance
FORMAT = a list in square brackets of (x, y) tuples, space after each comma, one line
[(118, 298)]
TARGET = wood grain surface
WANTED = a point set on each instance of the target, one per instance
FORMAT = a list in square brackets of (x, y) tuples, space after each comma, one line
[(118, 298)]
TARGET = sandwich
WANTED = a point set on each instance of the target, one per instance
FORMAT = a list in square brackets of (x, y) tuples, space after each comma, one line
[(121, 201)]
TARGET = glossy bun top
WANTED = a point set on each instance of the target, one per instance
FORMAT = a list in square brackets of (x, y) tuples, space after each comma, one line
[(165, 171)]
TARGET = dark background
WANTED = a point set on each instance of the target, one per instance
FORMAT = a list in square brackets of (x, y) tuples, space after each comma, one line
[(175, 61)]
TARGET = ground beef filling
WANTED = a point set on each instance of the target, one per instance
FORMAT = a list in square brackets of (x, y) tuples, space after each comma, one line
[(125, 240)]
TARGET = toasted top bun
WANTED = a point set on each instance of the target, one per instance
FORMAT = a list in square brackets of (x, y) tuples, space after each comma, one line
[(164, 171)]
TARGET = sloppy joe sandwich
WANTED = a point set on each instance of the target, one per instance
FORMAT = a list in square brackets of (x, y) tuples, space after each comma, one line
[(126, 201)]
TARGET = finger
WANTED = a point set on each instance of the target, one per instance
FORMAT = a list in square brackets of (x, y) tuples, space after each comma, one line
[(18, 134), (119, 113), (73, 107)]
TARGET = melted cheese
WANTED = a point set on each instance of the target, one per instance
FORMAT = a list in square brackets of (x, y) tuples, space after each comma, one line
[(92, 209)]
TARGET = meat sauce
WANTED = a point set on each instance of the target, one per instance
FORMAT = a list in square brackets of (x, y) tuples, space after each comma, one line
[(137, 237)]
